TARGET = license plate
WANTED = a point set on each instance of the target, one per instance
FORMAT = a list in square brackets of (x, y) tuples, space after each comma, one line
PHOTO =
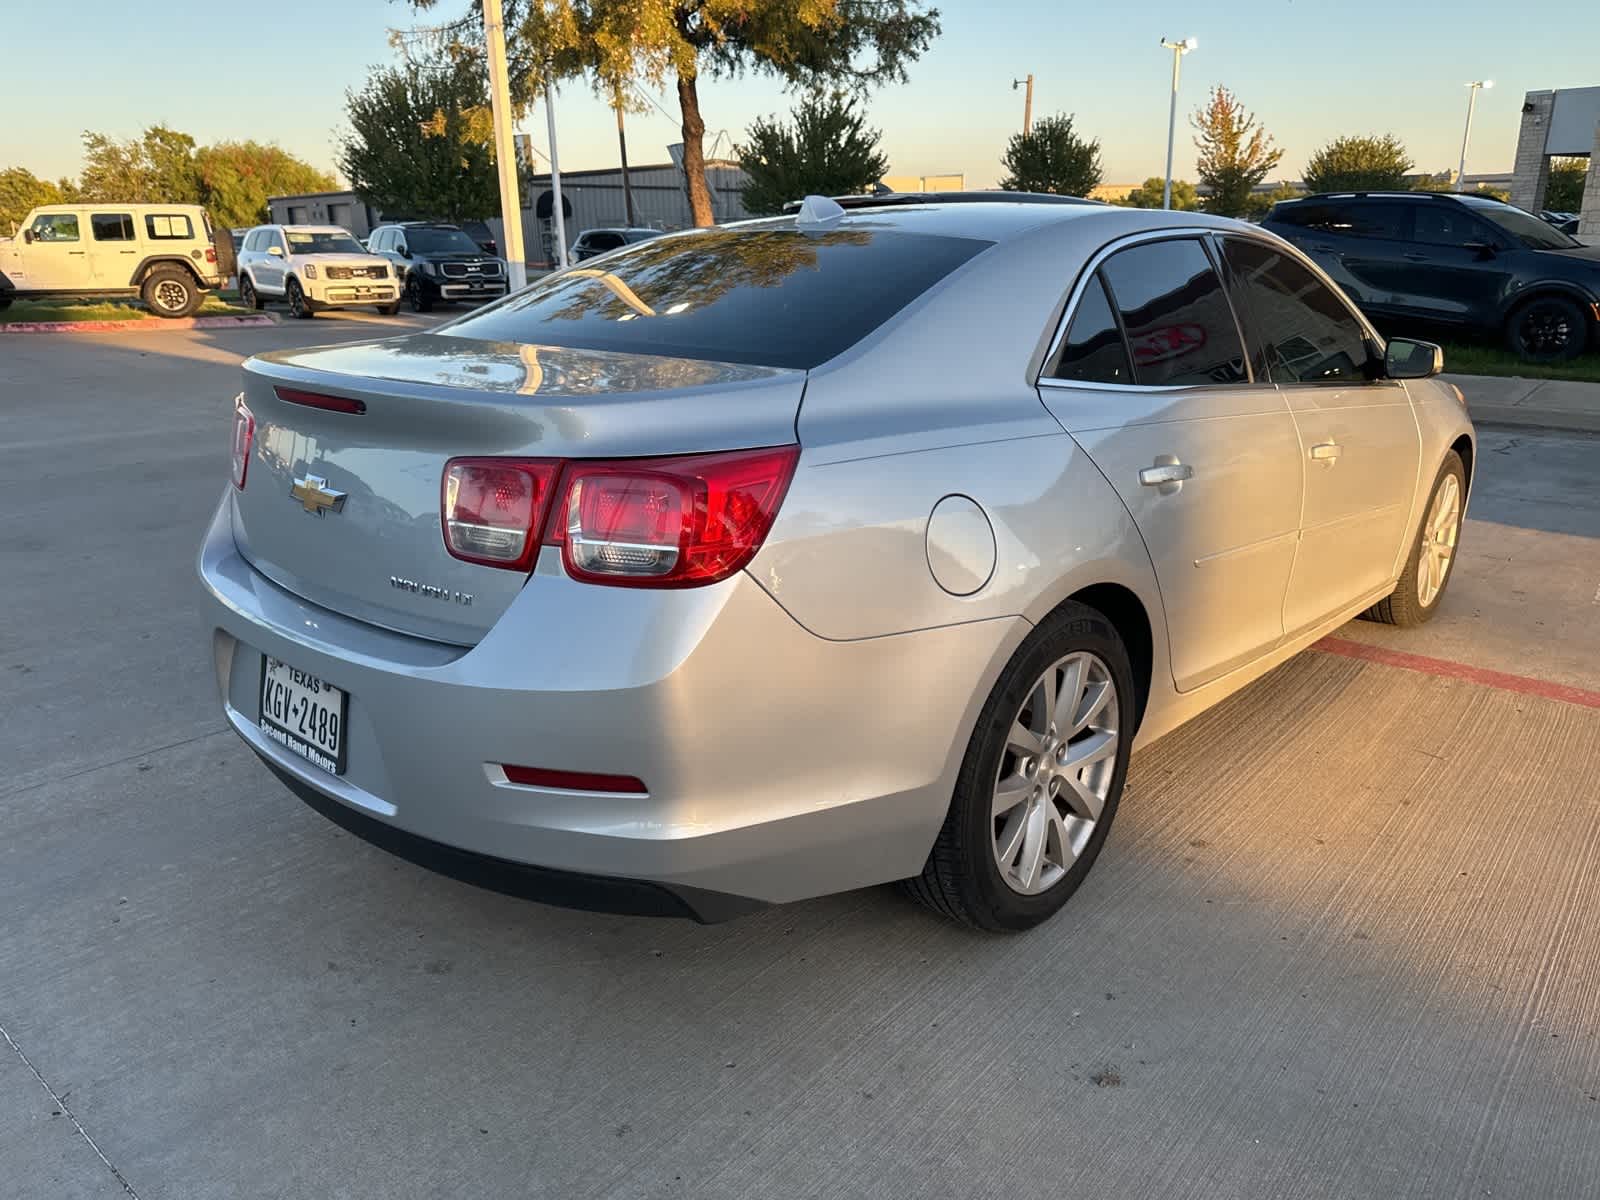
[(303, 714)]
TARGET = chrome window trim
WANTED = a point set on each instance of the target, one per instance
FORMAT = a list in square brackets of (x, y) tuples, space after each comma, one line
[(1204, 233)]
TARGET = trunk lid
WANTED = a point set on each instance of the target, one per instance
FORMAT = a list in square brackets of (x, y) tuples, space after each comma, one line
[(380, 557)]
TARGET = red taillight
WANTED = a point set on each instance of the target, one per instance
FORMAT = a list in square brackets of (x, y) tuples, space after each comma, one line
[(669, 522), (244, 436), (339, 404), (493, 509), (211, 254), (572, 781)]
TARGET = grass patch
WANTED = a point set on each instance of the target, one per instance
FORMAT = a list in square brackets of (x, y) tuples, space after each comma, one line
[(214, 305), (1491, 360)]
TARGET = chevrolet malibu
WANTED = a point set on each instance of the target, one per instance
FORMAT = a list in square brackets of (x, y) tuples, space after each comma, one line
[(809, 553)]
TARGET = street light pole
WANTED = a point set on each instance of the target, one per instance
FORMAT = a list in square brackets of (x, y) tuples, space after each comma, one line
[(505, 155), (1179, 49), (1027, 104), (1472, 102), (555, 175)]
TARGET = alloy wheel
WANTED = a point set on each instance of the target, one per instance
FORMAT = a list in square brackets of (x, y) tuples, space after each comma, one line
[(171, 296), (1546, 330), (1055, 773), (1440, 533)]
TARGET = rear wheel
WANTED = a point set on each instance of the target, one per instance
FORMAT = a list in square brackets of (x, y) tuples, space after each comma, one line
[(248, 296), (296, 297), (5, 303), (1547, 329), (1433, 554), (416, 297), (170, 292), (1041, 779)]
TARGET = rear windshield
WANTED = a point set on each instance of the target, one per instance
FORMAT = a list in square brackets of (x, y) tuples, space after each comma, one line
[(773, 297)]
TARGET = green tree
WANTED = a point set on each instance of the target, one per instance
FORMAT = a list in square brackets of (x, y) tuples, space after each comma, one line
[(1260, 203), (156, 168), (619, 42), (237, 177), (1565, 191), (825, 149), (1051, 158), (1236, 153), (1148, 195), (20, 193), (1355, 164), (419, 143)]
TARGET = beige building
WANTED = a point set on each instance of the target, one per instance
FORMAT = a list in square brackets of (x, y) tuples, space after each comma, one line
[(1559, 124)]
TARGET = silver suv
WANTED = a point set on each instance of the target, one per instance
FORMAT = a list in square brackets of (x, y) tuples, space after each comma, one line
[(312, 268), (165, 254)]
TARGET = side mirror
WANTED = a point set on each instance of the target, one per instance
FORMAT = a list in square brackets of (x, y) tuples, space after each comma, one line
[(27, 236), (1482, 250), (275, 251), (1406, 359), (403, 250)]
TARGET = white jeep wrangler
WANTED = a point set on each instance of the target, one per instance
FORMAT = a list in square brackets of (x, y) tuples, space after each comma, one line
[(162, 253)]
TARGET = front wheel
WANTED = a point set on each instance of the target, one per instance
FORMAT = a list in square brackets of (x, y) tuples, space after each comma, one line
[(1433, 554), (416, 297), (1040, 783), (5, 303), (295, 294), (1547, 329), (388, 310)]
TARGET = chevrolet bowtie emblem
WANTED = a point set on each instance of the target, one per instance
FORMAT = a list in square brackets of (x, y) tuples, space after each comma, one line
[(314, 493)]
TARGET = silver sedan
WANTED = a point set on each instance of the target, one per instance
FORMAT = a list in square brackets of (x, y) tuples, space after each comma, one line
[(755, 563)]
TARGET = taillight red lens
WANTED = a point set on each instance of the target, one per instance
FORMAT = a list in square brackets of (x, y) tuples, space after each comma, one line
[(244, 436), (669, 522), (211, 254), (493, 509)]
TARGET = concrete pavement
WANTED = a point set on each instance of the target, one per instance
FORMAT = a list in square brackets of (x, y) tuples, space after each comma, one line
[(1532, 403), (1340, 944)]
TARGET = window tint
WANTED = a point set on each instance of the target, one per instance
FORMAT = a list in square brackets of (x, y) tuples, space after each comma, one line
[(168, 226), (1179, 326), (605, 241), (1304, 332), (55, 227), (776, 297), (1093, 351), (111, 227), (1445, 225), (1370, 219), (1304, 213)]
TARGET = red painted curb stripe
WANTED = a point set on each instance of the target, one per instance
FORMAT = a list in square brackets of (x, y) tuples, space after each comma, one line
[(1454, 670), (217, 322)]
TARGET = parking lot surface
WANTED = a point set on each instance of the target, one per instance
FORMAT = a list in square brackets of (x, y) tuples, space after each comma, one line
[(1342, 942)]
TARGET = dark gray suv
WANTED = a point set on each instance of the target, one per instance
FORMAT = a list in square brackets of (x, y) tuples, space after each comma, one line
[(1466, 262)]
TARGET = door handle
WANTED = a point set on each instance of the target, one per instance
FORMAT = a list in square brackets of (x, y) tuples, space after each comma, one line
[(1323, 249), (1168, 474), (79, 253), (1327, 452), (1415, 257)]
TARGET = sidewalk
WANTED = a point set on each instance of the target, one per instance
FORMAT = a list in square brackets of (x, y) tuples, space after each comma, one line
[(1539, 403)]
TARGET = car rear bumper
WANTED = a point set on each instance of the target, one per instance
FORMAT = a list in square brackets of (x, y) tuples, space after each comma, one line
[(779, 765)]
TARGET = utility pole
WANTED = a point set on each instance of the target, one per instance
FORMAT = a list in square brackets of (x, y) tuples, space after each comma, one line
[(505, 155), (1179, 49), (1476, 86), (1027, 104), (555, 174), (622, 145)]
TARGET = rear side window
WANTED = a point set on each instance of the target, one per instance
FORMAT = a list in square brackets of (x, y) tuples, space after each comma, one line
[(111, 227), (1093, 351), (773, 297), (1446, 225), (168, 226), (1293, 321), (1179, 326), (1369, 219)]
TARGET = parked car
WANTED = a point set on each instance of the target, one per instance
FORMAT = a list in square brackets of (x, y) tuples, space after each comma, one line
[(1461, 261), (601, 241), (312, 268), (166, 254), (574, 596), (480, 233), (438, 262)]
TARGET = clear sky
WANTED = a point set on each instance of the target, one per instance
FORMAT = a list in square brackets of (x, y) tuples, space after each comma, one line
[(1309, 70)]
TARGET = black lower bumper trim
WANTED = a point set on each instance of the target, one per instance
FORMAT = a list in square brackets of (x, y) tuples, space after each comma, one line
[(548, 885)]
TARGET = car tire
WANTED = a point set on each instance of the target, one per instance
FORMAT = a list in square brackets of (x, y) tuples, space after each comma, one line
[(415, 297), (5, 303), (170, 292), (248, 296), (1431, 559), (1035, 799), (296, 296), (1547, 329), (388, 310)]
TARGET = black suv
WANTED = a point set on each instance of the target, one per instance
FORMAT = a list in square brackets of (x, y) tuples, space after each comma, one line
[(437, 262), (1463, 261)]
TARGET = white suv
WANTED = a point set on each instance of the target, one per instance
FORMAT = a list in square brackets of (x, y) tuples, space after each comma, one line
[(313, 267), (163, 253)]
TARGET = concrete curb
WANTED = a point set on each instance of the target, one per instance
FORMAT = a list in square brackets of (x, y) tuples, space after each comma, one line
[(1531, 403), (150, 323)]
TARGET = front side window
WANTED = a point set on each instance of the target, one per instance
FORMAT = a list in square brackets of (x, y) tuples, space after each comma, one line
[(111, 227), (1303, 332), (322, 242), (771, 297), (1179, 326), (55, 227), (1527, 229), (168, 226), (1445, 225), (1093, 351)]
